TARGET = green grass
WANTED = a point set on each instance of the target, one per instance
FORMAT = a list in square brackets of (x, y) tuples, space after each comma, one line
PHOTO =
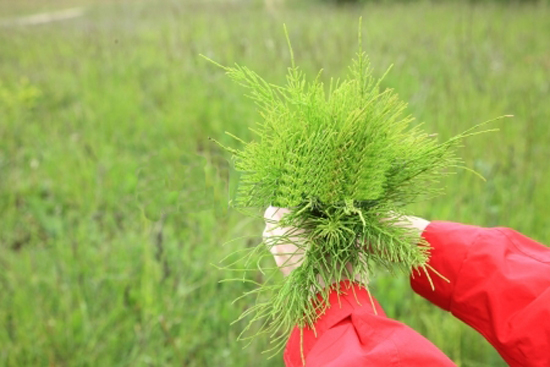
[(104, 158)]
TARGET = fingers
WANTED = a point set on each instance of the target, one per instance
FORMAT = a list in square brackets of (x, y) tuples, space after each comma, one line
[(284, 243)]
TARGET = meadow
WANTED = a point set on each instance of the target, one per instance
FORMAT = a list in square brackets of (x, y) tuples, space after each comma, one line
[(113, 202)]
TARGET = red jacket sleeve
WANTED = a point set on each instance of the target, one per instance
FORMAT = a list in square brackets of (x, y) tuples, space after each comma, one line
[(499, 284), (352, 333)]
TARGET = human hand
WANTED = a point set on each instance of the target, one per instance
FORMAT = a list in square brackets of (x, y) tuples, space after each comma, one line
[(282, 241), (285, 243), (414, 223)]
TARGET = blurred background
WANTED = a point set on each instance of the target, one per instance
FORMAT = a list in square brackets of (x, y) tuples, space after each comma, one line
[(113, 202)]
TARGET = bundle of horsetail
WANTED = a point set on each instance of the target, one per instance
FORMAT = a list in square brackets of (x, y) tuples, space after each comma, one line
[(345, 160)]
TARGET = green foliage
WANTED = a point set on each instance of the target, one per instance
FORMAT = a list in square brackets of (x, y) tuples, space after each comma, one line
[(22, 96), (87, 280), (360, 2), (352, 145), (346, 162)]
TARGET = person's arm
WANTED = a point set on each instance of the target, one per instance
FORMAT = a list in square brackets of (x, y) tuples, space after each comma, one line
[(353, 334), (499, 284), (350, 332)]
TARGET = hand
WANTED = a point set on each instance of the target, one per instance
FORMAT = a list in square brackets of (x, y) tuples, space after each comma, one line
[(416, 223), (288, 255)]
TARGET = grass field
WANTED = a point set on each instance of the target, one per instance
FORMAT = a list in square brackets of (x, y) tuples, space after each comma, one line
[(105, 159)]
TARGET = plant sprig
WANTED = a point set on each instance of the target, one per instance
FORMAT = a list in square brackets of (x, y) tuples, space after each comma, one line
[(346, 163)]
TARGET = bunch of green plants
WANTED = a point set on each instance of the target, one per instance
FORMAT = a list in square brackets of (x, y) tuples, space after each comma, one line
[(346, 161)]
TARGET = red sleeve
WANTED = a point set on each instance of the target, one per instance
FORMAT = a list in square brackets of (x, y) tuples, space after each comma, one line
[(353, 334), (499, 285)]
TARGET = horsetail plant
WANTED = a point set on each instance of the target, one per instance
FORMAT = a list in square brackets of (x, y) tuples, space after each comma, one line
[(346, 162)]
